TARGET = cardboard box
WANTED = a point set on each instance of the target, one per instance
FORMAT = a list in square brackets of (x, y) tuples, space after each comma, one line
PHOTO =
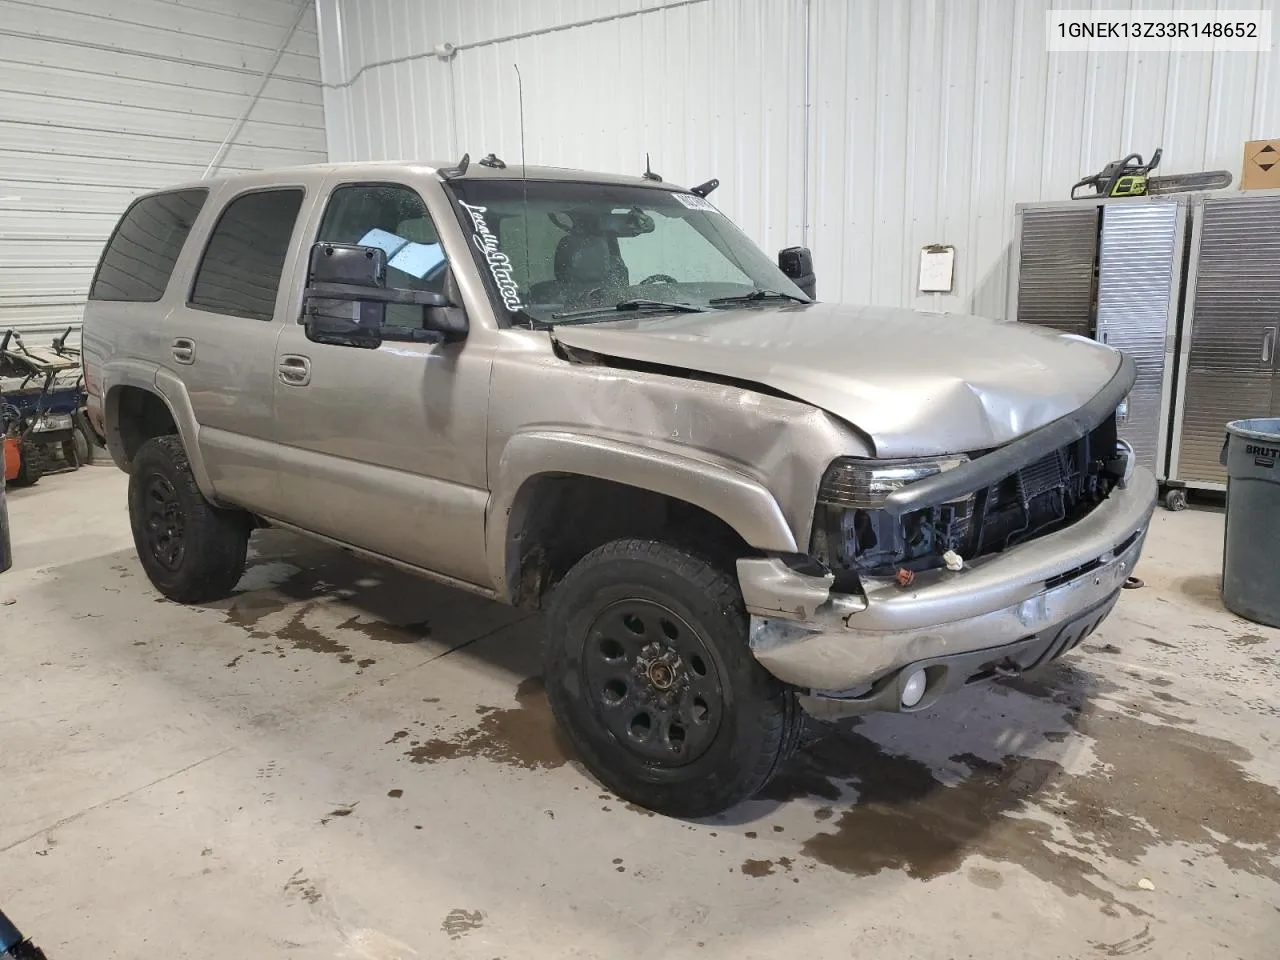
[(1261, 165)]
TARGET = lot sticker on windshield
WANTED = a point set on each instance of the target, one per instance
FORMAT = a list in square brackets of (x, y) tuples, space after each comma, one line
[(695, 202), (499, 262)]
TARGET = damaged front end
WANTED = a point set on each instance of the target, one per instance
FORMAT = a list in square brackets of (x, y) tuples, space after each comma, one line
[(930, 574), (857, 532)]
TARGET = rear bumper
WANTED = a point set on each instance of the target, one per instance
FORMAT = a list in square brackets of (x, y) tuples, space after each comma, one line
[(1009, 609)]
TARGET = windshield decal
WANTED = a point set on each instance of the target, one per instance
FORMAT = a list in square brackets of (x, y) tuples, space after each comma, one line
[(499, 263), (695, 202)]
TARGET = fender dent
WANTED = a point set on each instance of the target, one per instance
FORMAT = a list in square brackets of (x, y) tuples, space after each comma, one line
[(741, 502)]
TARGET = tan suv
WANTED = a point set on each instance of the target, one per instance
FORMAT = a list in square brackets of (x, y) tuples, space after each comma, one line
[(592, 394)]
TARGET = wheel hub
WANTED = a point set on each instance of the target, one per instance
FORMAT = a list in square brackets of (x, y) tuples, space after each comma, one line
[(661, 675)]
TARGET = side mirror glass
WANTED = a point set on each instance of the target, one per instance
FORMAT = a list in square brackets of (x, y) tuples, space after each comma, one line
[(347, 296), (797, 264)]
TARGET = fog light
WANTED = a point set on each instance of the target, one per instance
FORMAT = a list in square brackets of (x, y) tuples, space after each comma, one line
[(913, 689)]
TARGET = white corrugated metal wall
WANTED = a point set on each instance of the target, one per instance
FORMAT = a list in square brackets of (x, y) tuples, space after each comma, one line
[(928, 119), (102, 101)]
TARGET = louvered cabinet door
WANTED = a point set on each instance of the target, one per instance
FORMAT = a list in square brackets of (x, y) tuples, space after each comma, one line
[(1234, 295), (1056, 253), (1139, 269)]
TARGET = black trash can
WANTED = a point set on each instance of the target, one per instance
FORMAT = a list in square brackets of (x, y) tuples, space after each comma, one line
[(1251, 555)]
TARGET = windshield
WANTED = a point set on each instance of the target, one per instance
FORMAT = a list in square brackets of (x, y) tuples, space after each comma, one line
[(556, 251)]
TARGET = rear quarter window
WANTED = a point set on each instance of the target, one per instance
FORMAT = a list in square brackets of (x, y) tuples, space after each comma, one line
[(239, 274), (139, 257)]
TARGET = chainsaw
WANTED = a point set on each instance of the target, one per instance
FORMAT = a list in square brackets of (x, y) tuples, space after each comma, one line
[(1131, 177)]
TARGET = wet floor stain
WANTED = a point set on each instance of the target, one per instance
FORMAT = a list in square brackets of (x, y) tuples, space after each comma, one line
[(1247, 639), (522, 736), (1140, 942), (986, 877), (331, 583), (459, 922), (302, 637), (1204, 589), (766, 868), (388, 632), (344, 810), (302, 887), (895, 814)]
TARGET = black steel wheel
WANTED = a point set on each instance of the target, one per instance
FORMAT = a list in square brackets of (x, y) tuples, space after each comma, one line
[(192, 551), (653, 682), (163, 523), (649, 672)]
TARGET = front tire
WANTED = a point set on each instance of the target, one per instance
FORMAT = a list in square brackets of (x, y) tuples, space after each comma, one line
[(649, 672), (33, 463), (192, 551)]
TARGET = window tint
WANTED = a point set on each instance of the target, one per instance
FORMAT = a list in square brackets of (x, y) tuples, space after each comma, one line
[(240, 272), (140, 255), (395, 219)]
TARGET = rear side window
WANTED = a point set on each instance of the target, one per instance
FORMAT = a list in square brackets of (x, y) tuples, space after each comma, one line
[(140, 255), (239, 274)]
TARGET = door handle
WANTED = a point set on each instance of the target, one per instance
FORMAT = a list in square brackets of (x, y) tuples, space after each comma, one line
[(1268, 345), (294, 370), (184, 350)]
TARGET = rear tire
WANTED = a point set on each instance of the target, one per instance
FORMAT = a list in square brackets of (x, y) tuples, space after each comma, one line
[(192, 551), (84, 440), (649, 672)]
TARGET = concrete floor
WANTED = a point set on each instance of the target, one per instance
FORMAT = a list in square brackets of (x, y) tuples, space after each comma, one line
[(345, 762)]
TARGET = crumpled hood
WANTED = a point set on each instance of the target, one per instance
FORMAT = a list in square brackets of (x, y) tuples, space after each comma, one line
[(917, 384)]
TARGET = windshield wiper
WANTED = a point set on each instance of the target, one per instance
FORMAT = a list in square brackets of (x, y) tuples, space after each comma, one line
[(756, 295), (632, 305)]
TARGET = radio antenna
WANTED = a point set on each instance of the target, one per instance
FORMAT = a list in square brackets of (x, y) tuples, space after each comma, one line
[(520, 99), (524, 179)]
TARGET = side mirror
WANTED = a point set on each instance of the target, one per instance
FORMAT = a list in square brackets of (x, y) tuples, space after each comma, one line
[(346, 301), (797, 264), (336, 308)]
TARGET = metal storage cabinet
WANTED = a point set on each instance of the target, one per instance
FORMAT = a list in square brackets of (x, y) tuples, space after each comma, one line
[(1057, 248), (1227, 367), (1111, 270)]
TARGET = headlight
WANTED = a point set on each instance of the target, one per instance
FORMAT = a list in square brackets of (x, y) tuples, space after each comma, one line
[(864, 484)]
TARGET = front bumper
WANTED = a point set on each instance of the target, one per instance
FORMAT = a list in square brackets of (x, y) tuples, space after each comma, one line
[(848, 652)]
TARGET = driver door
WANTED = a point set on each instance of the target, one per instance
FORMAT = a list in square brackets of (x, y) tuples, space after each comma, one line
[(384, 449)]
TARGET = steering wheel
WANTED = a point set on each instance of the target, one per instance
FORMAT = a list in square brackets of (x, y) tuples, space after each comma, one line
[(657, 278)]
